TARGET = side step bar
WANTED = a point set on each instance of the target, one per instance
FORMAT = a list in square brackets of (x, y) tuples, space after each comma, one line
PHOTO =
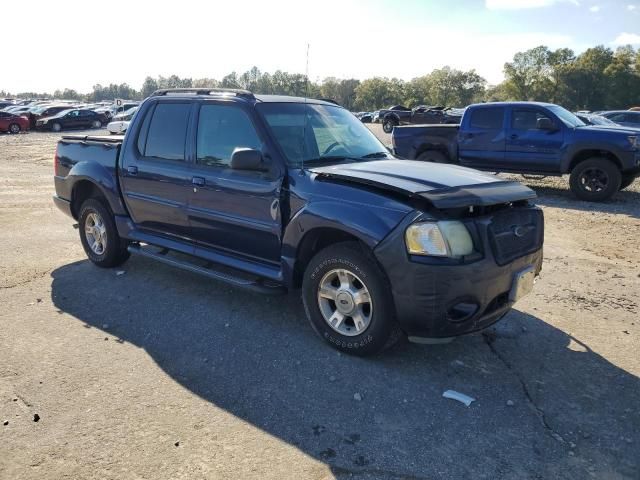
[(253, 284)]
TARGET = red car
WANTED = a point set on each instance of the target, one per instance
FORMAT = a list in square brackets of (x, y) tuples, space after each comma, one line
[(13, 123)]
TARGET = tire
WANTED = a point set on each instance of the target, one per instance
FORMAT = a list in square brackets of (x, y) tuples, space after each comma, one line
[(595, 179), (56, 127), (627, 180), (432, 156), (388, 124), (94, 214), (96, 124), (327, 269), (14, 128)]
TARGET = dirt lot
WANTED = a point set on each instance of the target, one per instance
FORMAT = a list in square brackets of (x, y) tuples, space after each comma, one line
[(148, 372)]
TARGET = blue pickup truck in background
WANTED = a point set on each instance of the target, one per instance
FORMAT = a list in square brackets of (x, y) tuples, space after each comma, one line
[(276, 194), (530, 138)]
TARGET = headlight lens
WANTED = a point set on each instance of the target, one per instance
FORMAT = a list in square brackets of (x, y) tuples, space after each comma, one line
[(633, 139), (442, 239)]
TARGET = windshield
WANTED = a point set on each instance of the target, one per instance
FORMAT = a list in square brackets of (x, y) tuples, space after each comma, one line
[(598, 120), (324, 134), (568, 118), (62, 113)]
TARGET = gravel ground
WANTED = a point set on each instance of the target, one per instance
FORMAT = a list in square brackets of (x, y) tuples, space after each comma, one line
[(148, 372)]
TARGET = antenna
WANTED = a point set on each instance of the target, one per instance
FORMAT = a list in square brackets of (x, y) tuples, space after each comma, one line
[(306, 94)]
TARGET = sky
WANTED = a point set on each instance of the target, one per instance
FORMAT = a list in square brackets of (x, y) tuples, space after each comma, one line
[(77, 44)]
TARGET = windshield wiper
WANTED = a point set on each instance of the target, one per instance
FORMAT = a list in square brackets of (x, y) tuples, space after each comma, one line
[(331, 158), (376, 155)]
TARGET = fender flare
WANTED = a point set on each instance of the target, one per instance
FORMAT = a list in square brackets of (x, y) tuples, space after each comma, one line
[(351, 219), (102, 179)]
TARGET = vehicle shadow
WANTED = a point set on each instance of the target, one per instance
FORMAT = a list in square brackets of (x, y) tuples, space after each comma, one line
[(257, 358), (625, 202)]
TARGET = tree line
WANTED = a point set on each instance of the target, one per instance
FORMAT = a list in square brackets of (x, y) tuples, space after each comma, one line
[(599, 78)]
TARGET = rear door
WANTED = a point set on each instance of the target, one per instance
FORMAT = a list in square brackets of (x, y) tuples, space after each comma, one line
[(237, 211), (481, 140), (530, 148), (86, 118), (72, 119), (155, 175)]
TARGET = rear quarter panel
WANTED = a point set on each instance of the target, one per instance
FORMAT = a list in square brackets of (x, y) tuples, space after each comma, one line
[(410, 141), (95, 162)]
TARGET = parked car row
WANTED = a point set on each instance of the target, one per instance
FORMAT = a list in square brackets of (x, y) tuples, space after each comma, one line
[(57, 115), (420, 115)]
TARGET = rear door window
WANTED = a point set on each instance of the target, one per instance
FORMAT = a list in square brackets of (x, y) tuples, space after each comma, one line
[(487, 118), (168, 131)]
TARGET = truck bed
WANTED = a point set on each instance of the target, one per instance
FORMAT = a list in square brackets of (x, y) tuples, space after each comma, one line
[(409, 140)]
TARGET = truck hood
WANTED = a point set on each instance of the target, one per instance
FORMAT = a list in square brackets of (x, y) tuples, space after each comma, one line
[(445, 186), (606, 129)]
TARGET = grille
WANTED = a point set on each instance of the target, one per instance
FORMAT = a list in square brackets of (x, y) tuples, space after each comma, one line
[(515, 233)]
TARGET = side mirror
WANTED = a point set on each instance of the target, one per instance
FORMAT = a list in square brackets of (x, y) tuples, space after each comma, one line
[(247, 159), (545, 124)]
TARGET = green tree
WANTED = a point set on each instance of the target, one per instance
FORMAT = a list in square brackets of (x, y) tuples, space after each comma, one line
[(149, 86), (378, 92)]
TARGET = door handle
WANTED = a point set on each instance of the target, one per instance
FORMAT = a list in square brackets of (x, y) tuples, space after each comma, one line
[(513, 136), (132, 170), (198, 181), (469, 135)]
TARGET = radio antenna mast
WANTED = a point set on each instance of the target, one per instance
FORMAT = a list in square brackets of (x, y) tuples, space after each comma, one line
[(306, 94)]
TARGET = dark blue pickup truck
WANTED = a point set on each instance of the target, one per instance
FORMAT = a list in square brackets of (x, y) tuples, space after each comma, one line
[(533, 138), (275, 194)]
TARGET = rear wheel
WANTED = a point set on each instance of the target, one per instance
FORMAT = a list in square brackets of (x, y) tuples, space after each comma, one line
[(432, 156), (627, 180), (348, 300), (388, 124), (595, 179), (99, 235), (14, 128)]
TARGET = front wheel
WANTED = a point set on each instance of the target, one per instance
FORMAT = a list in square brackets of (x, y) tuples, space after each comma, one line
[(96, 124), (348, 300), (388, 124), (14, 128), (627, 180), (595, 179), (99, 235), (56, 127)]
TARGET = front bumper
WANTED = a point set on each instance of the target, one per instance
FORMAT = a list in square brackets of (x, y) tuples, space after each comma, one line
[(436, 299)]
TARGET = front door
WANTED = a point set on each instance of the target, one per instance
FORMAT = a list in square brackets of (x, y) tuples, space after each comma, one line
[(236, 211), (481, 142), (530, 147), (155, 174)]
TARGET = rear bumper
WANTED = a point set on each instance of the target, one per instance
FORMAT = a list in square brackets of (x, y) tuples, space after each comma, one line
[(436, 299), (63, 205)]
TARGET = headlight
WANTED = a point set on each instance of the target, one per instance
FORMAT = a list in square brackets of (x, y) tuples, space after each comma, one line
[(633, 140), (442, 239)]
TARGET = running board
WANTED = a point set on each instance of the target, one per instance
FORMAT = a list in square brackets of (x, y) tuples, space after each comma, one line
[(253, 284)]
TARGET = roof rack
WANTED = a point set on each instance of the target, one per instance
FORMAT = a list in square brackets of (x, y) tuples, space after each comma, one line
[(203, 91)]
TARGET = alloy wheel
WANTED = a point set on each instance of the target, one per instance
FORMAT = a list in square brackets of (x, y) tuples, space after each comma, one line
[(96, 233), (345, 302)]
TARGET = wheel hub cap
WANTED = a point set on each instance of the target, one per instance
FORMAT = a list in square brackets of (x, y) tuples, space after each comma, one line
[(345, 302)]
